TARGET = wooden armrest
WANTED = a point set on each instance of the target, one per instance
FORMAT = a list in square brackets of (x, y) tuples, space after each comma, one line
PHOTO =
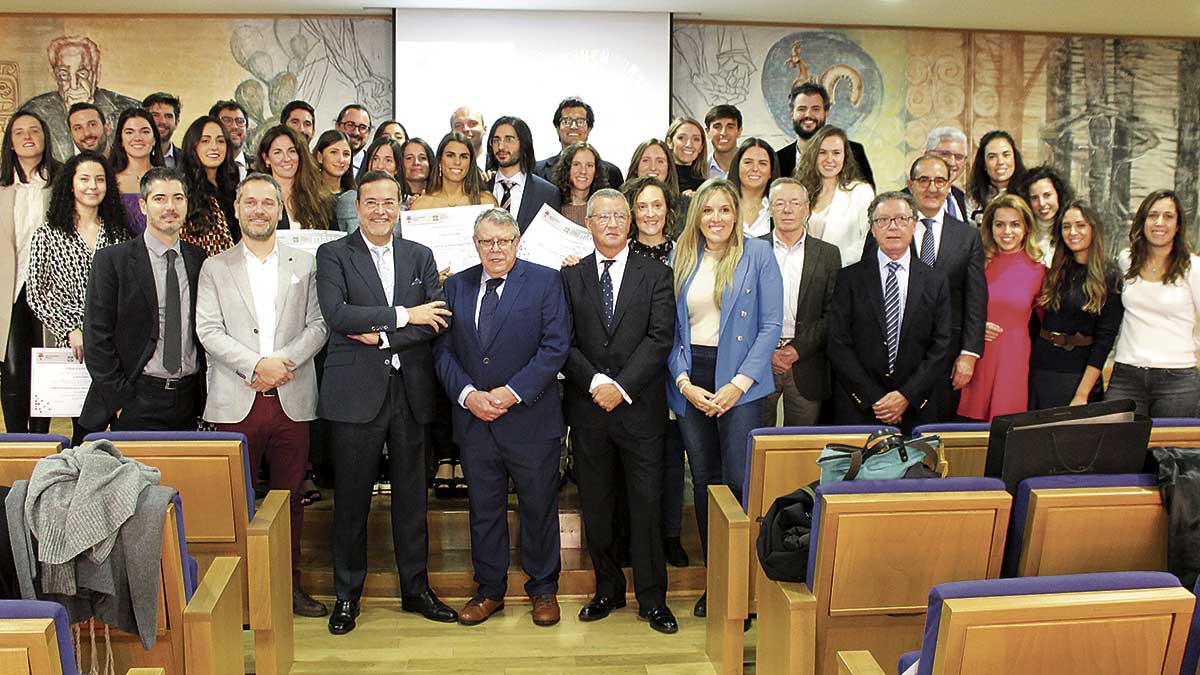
[(796, 595), (729, 553), (269, 549), (858, 663), (213, 621), (787, 628), (146, 671)]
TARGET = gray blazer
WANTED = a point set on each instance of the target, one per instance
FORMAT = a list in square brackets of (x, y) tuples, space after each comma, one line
[(228, 329)]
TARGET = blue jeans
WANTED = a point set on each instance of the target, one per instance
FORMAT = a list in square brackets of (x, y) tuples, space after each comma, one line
[(716, 446), (1158, 392)]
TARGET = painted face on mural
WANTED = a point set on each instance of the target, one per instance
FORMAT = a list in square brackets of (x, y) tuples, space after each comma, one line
[(76, 74)]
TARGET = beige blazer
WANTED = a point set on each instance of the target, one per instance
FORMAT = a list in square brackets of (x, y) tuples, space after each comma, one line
[(228, 329), (8, 259)]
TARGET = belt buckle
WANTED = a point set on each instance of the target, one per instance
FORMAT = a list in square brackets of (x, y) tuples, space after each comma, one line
[(171, 383), (271, 393), (1066, 345)]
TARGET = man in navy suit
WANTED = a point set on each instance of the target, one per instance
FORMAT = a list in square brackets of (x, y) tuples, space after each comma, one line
[(515, 186), (499, 361)]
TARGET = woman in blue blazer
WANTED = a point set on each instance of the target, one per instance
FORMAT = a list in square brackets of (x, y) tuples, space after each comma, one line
[(729, 317)]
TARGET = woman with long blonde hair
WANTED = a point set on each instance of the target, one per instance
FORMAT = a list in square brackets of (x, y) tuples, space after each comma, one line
[(729, 317)]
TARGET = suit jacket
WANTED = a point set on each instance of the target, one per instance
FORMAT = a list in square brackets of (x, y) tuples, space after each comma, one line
[(751, 323), (8, 258), (228, 328), (822, 261), (960, 199), (857, 344), (537, 191), (528, 346), (120, 324), (545, 169), (633, 352), (960, 259), (787, 161), (355, 377)]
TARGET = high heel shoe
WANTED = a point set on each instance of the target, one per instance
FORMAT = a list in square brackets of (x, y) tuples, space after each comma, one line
[(460, 482), (443, 486)]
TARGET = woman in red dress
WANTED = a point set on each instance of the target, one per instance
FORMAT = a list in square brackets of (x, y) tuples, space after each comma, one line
[(1014, 277)]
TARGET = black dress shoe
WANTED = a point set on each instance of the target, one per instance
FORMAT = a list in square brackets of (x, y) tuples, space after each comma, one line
[(701, 608), (341, 621), (429, 606), (600, 607), (676, 556), (661, 619)]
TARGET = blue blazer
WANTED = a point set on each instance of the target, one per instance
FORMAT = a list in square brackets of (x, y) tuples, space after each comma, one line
[(751, 325), (529, 345)]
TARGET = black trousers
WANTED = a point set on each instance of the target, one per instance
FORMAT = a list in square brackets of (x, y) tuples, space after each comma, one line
[(155, 407), (603, 457), (24, 333), (357, 451)]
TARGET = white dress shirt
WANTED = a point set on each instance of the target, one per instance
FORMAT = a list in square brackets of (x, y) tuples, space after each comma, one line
[(919, 235), (762, 222), (518, 190), (483, 279), (617, 272), (714, 169), (264, 284), (387, 278), (791, 263), (901, 279), (243, 168)]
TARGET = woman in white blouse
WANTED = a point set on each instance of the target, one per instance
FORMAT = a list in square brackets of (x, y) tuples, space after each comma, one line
[(838, 196), (26, 168), (751, 172), (1156, 349)]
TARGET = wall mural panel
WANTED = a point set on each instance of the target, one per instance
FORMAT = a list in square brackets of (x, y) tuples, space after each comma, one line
[(1105, 111)]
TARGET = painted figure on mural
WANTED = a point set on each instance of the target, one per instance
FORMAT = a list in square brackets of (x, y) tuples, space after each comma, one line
[(75, 66)]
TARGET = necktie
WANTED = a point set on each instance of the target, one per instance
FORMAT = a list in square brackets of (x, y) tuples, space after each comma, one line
[(606, 290), (173, 329), (487, 310), (952, 207), (506, 198), (383, 265), (891, 309), (928, 243)]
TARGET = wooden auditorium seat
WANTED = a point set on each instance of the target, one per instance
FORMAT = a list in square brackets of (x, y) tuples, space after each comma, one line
[(211, 471), (19, 452), (1075, 524), (876, 549), (728, 581), (780, 460), (964, 445), (1119, 623), (1180, 432)]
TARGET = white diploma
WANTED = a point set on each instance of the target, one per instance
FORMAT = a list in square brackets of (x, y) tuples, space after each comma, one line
[(307, 240), (448, 232), (551, 237), (59, 383)]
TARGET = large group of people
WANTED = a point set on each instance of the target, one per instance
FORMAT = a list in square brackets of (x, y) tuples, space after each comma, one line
[(728, 279)]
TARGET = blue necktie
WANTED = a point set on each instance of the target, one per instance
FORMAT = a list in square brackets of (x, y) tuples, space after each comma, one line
[(487, 310), (952, 207), (891, 309), (606, 290)]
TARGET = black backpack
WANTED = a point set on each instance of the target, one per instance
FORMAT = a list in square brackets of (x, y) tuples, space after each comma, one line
[(783, 538)]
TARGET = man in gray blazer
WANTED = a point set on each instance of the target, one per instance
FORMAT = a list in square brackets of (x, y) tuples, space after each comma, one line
[(258, 318), (810, 268)]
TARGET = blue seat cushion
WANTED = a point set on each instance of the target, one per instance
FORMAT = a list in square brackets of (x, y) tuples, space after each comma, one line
[(799, 431), (950, 427), (44, 609), (907, 659)]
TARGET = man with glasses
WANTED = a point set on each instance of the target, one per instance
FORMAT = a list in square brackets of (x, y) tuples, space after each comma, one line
[(499, 362), (233, 118), (573, 120), (355, 121), (889, 330), (383, 305), (950, 143), (615, 398)]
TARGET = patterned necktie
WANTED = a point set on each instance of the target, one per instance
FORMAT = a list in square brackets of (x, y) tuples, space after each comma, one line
[(891, 309), (928, 243), (383, 265), (487, 310), (606, 290), (506, 198), (952, 207), (173, 328)]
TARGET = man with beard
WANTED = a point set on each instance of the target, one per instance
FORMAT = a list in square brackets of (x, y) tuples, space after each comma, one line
[(355, 121), (810, 103), (89, 129), (165, 109), (514, 185), (233, 118), (300, 116)]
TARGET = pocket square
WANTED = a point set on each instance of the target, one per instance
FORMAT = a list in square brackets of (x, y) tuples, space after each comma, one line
[(416, 282)]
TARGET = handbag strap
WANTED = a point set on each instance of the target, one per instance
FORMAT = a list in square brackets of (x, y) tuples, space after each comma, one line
[(856, 462), (927, 448)]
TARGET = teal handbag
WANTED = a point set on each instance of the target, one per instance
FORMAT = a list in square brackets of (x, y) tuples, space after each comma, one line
[(886, 456)]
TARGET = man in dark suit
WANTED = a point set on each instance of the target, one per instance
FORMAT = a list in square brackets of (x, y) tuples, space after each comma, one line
[(623, 313), (810, 103), (499, 361), (950, 143), (383, 305), (139, 326), (573, 120), (889, 332), (810, 267), (514, 185)]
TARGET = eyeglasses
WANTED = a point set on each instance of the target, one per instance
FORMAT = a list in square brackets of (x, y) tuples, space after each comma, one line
[(618, 217), (360, 128), (573, 122), (235, 121), (385, 204), (497, 243), (946, 154), (938, 182), (898, 221)]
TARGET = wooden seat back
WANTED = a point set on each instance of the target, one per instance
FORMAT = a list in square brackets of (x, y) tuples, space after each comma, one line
[(728, 581), (29, 647), (17, 458), (963, 448)]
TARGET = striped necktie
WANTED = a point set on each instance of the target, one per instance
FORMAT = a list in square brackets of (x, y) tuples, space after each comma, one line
[(928, 243), (506, 197), (891, 309)]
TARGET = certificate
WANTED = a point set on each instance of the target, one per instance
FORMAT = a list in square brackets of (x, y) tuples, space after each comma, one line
[(551, 237), (59, 384), (448, 232), (307, 240)]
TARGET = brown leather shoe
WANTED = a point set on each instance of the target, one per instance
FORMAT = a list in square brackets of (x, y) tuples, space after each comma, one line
[(304, 604), (545, 610), (478, 609)]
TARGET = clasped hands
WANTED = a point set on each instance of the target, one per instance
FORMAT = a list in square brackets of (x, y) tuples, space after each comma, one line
[(429, 314), (890, 408), (271, 372), (490, 406), (712, 405)]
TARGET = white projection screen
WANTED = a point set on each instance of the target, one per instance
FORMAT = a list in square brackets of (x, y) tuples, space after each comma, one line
[(523, 63)]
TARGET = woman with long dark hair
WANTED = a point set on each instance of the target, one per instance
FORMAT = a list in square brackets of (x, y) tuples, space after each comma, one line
[(457, 180), (26, 171), (751, 172), (578, 175), (307, 204), (84, 216), (1081, 311), (838, 195), (1155, 361), (383, 154), (1046, 193), (135, 150), (212, 177), (333, 157), (393, 130), (416, 167), (997, 169)]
